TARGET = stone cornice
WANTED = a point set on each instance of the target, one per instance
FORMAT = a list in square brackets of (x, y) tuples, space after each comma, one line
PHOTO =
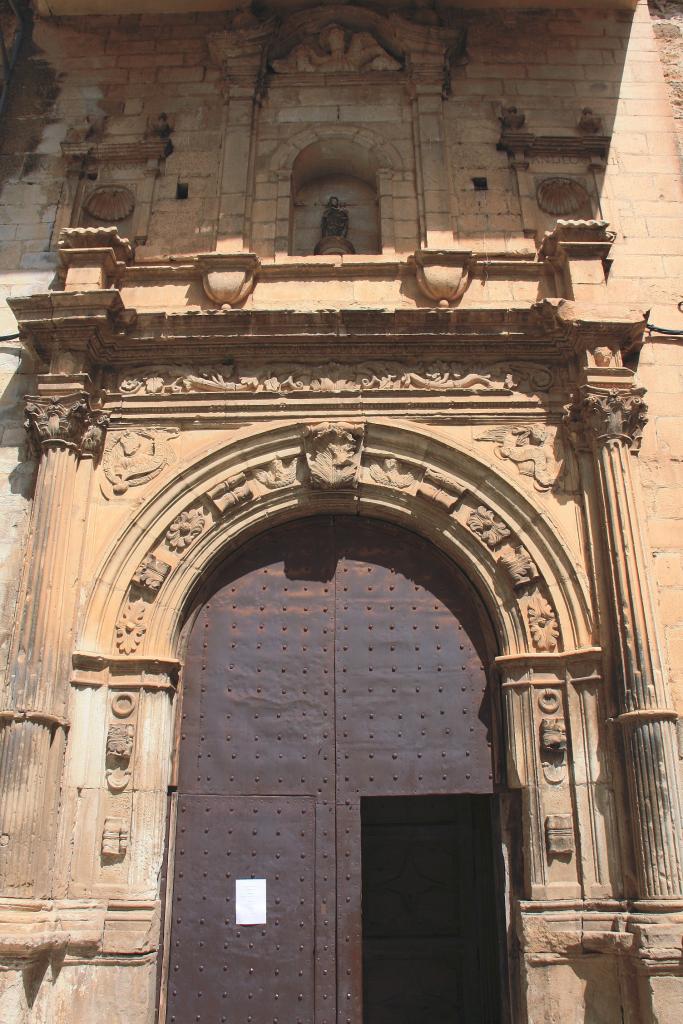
[(98, 325)]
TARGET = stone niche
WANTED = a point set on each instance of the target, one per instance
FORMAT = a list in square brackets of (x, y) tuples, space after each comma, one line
[(325, 172)]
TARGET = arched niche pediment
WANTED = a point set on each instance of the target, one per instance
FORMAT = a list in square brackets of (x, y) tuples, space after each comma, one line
[(511, 551)]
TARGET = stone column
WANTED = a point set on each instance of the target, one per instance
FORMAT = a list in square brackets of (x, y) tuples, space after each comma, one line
[(614, 419), (33, 724)]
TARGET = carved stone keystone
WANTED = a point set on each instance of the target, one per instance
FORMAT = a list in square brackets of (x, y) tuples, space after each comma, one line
[(333, 454)]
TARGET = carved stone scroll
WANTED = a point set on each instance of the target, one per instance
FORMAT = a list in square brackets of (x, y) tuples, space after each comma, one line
[(441, 489), (231, 493), (333, 454)]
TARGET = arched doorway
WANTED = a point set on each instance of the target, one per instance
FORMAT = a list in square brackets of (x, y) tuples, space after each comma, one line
[(334, 841)]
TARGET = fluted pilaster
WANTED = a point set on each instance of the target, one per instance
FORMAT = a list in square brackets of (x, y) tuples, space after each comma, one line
[(614, 420), (67, 435)]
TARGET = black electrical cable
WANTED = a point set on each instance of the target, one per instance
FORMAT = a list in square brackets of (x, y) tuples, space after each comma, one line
[(665, 330), (9, 337)]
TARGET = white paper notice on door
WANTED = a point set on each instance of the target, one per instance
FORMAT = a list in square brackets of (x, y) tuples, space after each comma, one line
[(250, 901)]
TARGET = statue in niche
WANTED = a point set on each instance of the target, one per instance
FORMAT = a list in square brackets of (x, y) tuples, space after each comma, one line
[(334, 227), (332, 54)]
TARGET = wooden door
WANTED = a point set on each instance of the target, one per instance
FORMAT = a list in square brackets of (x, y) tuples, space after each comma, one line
[(336, 659)]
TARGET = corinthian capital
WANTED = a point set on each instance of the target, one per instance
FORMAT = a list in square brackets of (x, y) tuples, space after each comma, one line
[(614, 414), (66, 421)]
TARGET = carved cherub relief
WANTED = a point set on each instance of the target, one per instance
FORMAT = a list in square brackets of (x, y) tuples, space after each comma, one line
[(332, 53)]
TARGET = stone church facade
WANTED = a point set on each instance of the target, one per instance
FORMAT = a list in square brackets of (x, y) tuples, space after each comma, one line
[(302, 291)]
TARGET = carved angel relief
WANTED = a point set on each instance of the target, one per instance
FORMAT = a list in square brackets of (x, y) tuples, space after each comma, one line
[(135, 457), (530, 448), (388, 474), (333, 453), (334, 52), (277, 474)]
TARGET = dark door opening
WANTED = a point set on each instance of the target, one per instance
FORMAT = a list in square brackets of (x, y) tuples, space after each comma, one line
[(430, 949), (334, 661)]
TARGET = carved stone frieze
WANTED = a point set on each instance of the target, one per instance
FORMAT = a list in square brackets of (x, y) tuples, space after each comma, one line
[(185, 528), (115, 838), (486, 525), (134, 457), (278, 473), (175, 380), (67, 420), (441, 489), (231, 493), (389, 473), (333, 454), (151, 573), (531, 450), (519, 564), (542, 623), (131, 627), (615, 415), (380, 375)]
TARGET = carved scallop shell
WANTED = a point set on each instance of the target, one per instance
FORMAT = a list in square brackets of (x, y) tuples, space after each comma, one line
[(110, 203), (562, 196)]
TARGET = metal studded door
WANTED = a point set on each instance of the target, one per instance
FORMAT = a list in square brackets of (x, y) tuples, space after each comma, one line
[(333, 661)]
